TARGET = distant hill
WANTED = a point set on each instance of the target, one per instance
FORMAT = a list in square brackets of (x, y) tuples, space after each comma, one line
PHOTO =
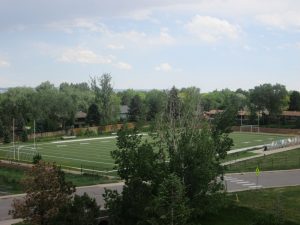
[(2, 90)]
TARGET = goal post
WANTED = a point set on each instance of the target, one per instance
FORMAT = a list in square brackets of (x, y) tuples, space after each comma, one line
[(250, 128)]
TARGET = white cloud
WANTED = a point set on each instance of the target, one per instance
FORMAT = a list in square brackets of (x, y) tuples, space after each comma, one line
[(165, 67), (298, 45), (87, 24), (211, 29), (123, 66), (4, 63), (115, 46), (283, 20), (85, 56)]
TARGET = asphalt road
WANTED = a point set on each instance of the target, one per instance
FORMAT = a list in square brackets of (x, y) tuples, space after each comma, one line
[(245, 181), (233, 182), (95, 191)]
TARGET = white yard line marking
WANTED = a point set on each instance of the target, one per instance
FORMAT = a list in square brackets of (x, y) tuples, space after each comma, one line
[(246, 142), (250, 184), (243, 182), (59, 146), (91, 139), (255, 186), (258, 140), (85, 143), (82, 160)]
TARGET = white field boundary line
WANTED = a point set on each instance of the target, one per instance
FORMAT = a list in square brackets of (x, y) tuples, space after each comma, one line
[(91, 139), (62, 155), (84, 169), (245, 149)]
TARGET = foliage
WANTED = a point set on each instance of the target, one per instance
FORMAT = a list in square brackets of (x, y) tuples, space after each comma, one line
[(273, 98), (46, 192), (141, 168), (81, 210), (103, 91), (294, 104), (170, 204), (36, 158), (93, 115), (135, 109), (6, 136), (187, 183)]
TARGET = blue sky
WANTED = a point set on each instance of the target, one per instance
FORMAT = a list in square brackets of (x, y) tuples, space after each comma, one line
[(145, 44)]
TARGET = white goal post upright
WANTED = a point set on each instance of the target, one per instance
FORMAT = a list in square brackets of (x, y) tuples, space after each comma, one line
[(250, 128)]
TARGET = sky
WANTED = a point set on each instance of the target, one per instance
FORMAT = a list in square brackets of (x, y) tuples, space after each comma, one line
[(146, 44)]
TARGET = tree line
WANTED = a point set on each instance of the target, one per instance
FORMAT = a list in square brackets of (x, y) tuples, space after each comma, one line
[(54, 108)]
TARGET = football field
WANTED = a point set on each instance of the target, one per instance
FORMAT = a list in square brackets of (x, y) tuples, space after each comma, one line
[(94, 153)]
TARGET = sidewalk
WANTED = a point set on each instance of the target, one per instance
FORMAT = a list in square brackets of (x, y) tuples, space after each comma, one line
[(261, 153), (9, 222)]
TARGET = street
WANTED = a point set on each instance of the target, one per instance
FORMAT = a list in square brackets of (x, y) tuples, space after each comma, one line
[(233, 182)]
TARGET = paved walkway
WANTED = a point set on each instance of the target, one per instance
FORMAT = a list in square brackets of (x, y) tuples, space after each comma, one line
[(9, 222), (261, 152)]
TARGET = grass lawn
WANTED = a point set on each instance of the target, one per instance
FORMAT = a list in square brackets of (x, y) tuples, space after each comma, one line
[(10, 180), (238, 155), (258, 203), (278, 161), (94, 153)]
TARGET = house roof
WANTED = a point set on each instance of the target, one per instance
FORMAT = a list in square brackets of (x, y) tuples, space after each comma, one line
[(80, 114), (291, 113)]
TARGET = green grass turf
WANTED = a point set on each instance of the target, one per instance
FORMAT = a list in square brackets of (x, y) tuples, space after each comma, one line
[(238, 155), (10, 180), (95, 154), (243, 140), (278, 161)]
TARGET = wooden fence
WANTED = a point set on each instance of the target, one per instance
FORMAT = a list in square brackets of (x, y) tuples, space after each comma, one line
[(272, 130)]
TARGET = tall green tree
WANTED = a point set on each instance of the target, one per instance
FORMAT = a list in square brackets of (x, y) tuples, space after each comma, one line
[(155, 101), (170, 206), (135, 110), (103, 90), (271, 98), (93, 115), (294, 104), (141, 167)]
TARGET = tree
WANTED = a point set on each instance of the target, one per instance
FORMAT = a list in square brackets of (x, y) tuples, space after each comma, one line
[(135, 109), (103, 90), (93, 116), (273, 98), (294, 104), (155, 101), (46, 192), (82, 210), (188, 184), (141, 167), (1, 130), (170, 205), (173, 103)]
